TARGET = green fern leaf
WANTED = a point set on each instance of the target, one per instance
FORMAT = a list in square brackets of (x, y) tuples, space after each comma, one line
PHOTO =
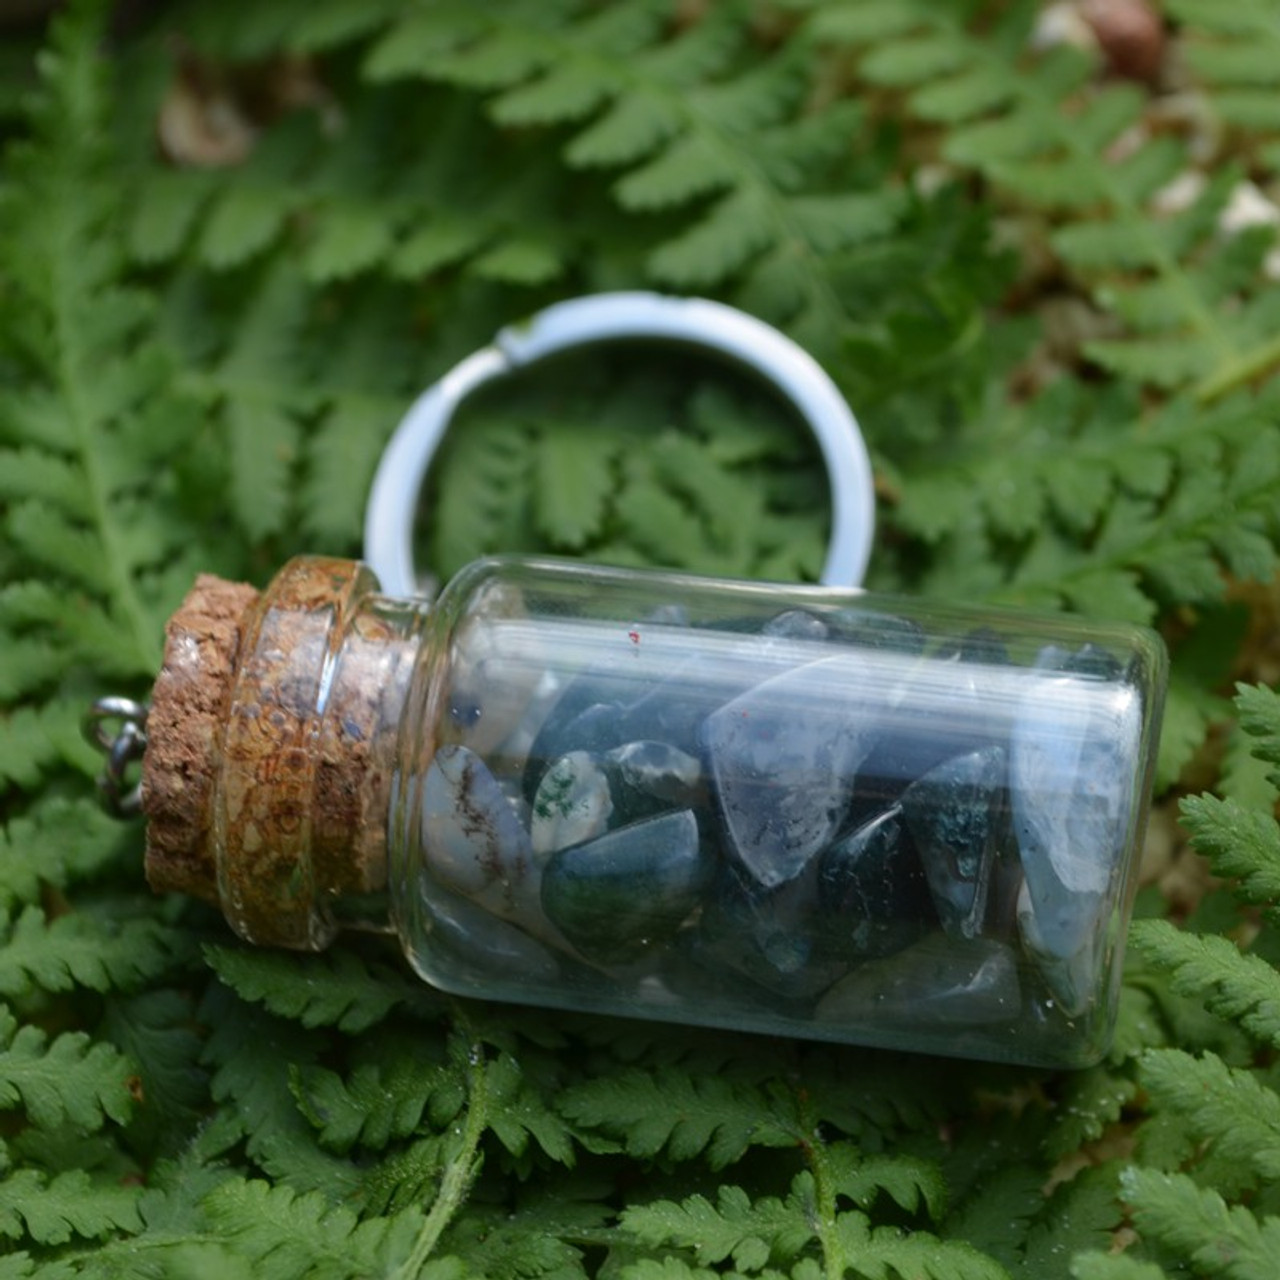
[(1242, 844), (909, 1182), (1231, 984), (52, 1210), (573, 479), (1114, 1266), (668, 1110), (67, 1081), (80, 950), (881, 1252), (253, 1055), (283, 1233), (57, 844), (520, 1110), (751, 1232), (337, 988), (381, 1101), (1197, 1224), (1259, 709), (1231, 1114)]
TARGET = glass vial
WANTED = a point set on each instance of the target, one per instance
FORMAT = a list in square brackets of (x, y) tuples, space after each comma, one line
[(791, 810)]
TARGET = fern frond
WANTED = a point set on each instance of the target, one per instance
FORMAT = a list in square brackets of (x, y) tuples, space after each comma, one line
[(752, 1232), (332, 989), (1230, 983), (1050, 140), (668, 1110), (69, 1080), (520, 1110), (1115, 513), (1231, 1114), (1259, 709), (252, 1054), (911, 1183), (1233, 53), (1195, 1223), (93, 418), (283, 1233), (79, 950), (380, 1101), (57, 843), (51, 1210), (1114, 1266), (1241, 844)]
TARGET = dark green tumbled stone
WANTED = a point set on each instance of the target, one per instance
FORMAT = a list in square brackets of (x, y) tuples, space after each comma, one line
[(939, 982), (871, 629), (954, 813), (616, 896), (479, 942), (647, 778), (796, 624), (873, 897), (766, 935)]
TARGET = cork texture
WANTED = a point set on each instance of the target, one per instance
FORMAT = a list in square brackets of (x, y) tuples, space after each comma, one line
[(184, 731), (271, 748)]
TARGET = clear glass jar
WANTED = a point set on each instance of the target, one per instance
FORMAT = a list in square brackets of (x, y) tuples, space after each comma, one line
[(792, 810)]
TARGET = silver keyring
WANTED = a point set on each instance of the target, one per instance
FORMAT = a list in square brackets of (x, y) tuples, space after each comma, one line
[(607, 317)]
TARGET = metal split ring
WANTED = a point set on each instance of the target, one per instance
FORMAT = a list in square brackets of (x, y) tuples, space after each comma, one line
[(122, 747), (608, 317)]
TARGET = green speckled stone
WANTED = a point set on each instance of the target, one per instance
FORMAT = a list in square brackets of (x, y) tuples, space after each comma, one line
[(954, 814), (573, 803), (939, 982), (616, 896)]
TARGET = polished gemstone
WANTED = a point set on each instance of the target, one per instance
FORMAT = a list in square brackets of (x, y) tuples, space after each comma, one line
[(573, 803), (648, 777), (871, 629), (938, 982), (474, 842), (480, 940), (767, 935), (953, 814), (796, 624), (872, 897), (1072, 773), (1071, 978), (783, 757), (619, 894)]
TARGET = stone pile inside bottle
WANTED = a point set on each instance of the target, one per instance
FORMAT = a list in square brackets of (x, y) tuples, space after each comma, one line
[(844, 854)]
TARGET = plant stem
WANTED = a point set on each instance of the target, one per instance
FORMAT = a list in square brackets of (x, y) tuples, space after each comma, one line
[(460, 1171), (1236, 373), (835, 1264)]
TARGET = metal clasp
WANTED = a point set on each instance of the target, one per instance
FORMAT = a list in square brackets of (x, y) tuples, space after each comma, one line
[(122, 747)]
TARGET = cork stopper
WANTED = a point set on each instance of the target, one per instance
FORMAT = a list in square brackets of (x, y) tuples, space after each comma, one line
[(271, 747), (188, 710)]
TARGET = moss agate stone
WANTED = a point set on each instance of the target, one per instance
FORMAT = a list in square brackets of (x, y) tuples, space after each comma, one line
[(766, 935), (939, 982), (873, 897), (649, 776), (614, 897), (1071, 779), (475, 842), (952, 814), (490, 946), (573, 803), (782, 757)]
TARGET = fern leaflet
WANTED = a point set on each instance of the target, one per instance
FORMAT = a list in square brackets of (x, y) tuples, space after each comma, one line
[(67, 1080), (1231, 983)]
